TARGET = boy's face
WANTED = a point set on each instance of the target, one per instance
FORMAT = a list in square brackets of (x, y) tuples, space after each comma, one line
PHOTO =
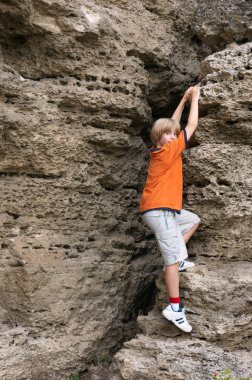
[(166, 138)]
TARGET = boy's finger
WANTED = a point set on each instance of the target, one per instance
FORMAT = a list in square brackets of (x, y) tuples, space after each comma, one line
[(189, 90)]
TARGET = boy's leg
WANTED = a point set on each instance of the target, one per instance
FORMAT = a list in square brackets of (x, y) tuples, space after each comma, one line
[(175, 311), (173, 249), (172, 280), (189, 233), (188, 222)]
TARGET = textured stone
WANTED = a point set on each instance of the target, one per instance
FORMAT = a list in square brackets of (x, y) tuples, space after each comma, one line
[(81, 83), (172, 358), (221, 22), (217, 291)]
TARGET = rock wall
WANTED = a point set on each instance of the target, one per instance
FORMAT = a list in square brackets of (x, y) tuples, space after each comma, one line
[(217, 292), (81, 83)]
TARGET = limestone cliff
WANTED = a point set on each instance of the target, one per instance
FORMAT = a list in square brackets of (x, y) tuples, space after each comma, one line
[(81, 83)]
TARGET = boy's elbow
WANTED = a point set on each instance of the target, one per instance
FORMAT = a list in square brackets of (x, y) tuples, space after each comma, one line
[(190, 129)]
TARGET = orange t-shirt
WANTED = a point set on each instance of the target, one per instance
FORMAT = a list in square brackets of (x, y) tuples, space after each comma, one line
[(164, 184)]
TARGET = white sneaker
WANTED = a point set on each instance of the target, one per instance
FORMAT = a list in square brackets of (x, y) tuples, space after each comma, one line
[(177, 317), (183, 265)]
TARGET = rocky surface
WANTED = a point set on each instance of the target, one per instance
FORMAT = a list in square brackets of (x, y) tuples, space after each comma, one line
[(217, 292), (81, 83)]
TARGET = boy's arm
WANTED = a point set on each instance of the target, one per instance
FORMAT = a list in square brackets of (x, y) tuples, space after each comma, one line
[(178, 112), (193, 115)]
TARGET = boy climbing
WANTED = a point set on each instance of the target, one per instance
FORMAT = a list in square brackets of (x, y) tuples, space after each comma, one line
[(161, 201)]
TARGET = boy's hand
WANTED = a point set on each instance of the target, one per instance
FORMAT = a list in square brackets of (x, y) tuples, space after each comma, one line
[(187, 94), (195, 94)]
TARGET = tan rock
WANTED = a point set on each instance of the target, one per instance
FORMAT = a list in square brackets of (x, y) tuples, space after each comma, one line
[(81, 83), (217, 291)]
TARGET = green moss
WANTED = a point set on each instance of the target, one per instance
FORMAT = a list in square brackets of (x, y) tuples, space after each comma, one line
[(74, 377), (227, 374), (103, 360)]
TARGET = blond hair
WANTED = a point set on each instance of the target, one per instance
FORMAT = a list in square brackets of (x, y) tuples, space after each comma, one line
[(161, 126)]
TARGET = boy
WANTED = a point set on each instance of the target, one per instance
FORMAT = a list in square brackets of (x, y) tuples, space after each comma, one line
[(161, 202)]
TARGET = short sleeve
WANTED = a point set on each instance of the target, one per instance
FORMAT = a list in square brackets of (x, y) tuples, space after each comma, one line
[(174, 148)]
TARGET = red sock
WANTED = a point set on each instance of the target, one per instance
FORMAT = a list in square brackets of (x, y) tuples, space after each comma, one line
[(174, 300)]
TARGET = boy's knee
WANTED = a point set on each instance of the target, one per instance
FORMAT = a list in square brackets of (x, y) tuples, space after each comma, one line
[(197, 221)]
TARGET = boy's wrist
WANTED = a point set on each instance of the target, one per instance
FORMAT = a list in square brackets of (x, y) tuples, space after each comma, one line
[(195, 98)]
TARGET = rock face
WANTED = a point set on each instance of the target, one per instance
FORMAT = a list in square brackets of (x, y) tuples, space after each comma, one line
[(217, 292), (81, 83)]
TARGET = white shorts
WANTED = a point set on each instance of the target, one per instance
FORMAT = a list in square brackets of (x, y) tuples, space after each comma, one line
[(168, 228)]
